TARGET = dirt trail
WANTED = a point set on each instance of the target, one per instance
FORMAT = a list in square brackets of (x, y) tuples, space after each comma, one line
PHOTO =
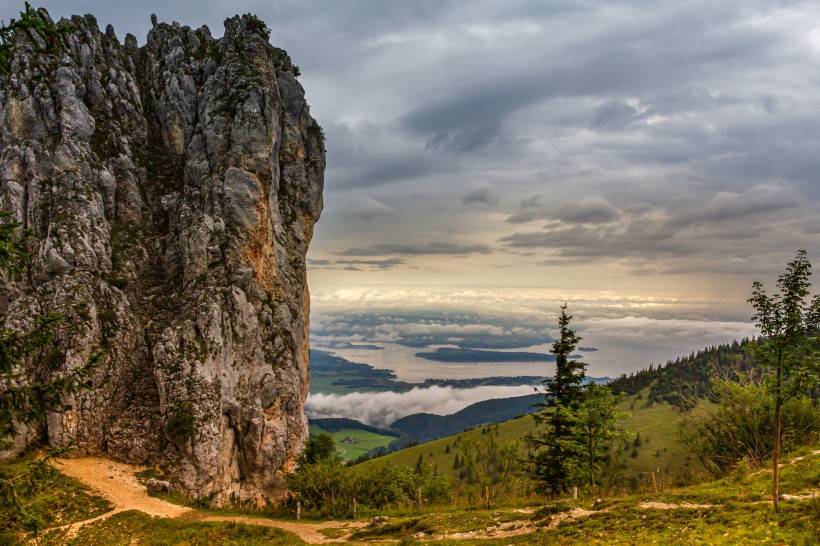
[(116, 483), (309, 532)]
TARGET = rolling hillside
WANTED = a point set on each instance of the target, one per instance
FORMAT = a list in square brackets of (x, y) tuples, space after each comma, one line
[(659, 449)]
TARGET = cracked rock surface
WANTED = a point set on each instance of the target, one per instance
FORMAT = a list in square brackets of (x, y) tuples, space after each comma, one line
[(170, 191)]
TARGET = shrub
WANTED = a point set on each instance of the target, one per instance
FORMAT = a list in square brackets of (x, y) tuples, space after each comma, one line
[(180, 425), (740, 427)]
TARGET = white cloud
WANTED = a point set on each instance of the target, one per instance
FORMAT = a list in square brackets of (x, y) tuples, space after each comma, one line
[(383, 408)]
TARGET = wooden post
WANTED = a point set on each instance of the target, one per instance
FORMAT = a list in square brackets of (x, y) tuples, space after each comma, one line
[(354, 507), (487, 494), (654, 483), (575, 492), (298, 509), (420, 501)]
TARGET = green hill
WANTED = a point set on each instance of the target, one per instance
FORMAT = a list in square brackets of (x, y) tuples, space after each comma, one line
[(684, 379), (659, 449)]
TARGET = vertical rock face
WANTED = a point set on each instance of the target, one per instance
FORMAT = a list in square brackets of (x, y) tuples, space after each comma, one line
[(170, 191)]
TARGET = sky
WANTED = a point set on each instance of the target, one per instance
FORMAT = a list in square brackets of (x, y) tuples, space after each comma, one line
[(642, 161)]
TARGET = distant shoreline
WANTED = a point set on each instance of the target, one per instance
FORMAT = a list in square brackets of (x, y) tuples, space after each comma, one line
[(449, 354)]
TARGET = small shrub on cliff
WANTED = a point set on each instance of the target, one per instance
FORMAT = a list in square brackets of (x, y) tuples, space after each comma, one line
[(258, 25), (181, 423), (31, 23), (31, 379)]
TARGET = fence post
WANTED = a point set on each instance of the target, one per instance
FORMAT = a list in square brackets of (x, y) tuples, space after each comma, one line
[(420, 501), (354, 507), (298, 509), (575, 492), (487, 494)]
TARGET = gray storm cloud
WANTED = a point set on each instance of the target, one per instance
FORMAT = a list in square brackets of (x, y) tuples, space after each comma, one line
[(383, 408)]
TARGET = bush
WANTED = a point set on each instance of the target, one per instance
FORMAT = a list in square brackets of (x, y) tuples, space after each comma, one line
[(740, 427), (327, 488), (180, 424)]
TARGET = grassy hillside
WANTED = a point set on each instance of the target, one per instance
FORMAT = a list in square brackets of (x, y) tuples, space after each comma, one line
[(735, 510), (655, 421)]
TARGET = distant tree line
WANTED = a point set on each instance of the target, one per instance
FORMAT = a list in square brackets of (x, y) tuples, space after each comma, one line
[(684, 380)]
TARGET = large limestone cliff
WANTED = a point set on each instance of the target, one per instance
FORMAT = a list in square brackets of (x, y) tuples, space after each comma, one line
[(170, 191)]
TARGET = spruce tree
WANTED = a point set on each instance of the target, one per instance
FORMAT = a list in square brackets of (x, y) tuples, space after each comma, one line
[(554, 447)]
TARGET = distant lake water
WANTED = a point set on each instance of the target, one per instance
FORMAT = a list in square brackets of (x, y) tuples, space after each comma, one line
[(408, 367)]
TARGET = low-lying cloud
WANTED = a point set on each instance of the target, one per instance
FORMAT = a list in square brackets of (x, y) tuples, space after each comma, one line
[(381, 409), (418, 249)]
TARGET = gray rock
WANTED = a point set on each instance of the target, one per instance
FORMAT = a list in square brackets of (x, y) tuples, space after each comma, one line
[(154, 485), (171, 192)]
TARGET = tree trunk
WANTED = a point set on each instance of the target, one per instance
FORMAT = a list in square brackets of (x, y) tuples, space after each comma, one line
[(591, 463), (778, 423)]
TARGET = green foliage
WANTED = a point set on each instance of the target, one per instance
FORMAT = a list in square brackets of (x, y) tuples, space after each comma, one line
[(120, 283), (34, 497), (316, 130), (399, 529), (683, 381), (554, 447), (258, 26), (31, 379), (489, 464), (181, 423), (31, 23), (565, 387), (133, 527), (788, 324), (738, 431), (318, 448), (327, 488), (13, 246), (597, 435)]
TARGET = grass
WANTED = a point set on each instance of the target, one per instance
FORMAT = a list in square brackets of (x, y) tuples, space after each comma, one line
[(133, 527), (353, 443), (662, 453), (735, 510), (52, 500)]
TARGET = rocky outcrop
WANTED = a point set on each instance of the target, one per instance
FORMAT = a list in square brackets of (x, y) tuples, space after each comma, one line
[(170, 191)]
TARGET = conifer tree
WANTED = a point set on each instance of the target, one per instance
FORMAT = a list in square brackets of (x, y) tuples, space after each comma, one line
[(554, 447)]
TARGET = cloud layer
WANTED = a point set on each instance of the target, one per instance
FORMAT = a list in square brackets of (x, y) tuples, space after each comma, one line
[(383, 408), (658, 150)]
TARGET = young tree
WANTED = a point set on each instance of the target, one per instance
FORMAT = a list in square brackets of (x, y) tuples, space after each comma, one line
[(493, 464), (319, 448), (596, 431), (788, 324), (555, 446)]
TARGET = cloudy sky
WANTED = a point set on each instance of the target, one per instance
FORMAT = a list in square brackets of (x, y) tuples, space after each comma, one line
[(644, 161)]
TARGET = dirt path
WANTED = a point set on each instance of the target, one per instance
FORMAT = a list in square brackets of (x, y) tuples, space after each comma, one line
[(309, 532), (116, 483)]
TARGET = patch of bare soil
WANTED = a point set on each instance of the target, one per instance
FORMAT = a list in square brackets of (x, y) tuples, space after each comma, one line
[(116, 482), (309, 532), (807, 496), (670, 506)]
